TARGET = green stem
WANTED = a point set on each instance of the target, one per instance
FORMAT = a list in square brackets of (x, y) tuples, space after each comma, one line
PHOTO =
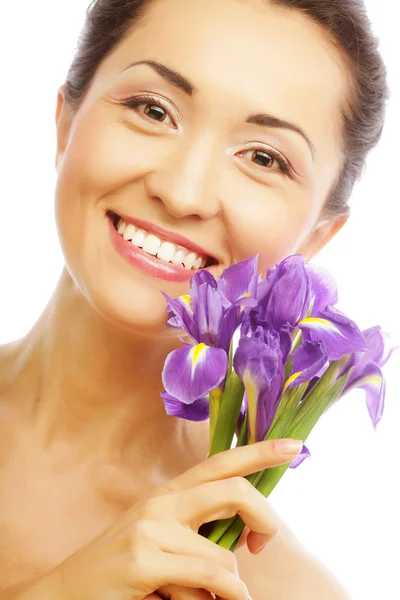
[(226, 533), (242, 439), (228, 415), (214, 410), (230, 358)]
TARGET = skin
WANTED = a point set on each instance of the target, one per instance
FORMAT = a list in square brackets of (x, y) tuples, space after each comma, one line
[(79, 407)]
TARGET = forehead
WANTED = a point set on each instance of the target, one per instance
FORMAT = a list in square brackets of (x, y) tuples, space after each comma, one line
[(244, 54)]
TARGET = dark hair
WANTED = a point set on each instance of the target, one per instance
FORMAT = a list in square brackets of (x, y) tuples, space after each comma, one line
[(346, 21)]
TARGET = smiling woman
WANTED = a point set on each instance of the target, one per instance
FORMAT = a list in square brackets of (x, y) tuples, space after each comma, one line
[(186, 140)]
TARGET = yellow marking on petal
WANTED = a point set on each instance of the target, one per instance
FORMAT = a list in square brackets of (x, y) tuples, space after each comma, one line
[(252, 399), (290, 380), (372, 379), (197, 354), (185, 299), (197, 351), (241, 307), (318, 321)]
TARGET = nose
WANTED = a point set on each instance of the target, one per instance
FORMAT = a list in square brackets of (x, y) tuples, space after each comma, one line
[(186, 179)]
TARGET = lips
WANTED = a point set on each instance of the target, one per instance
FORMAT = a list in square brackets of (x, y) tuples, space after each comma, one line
[(164, 234), (146, 260)]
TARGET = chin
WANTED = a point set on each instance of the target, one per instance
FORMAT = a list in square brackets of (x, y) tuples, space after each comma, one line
[(134, 308)]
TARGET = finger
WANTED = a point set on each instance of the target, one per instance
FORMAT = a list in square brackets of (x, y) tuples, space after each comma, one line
[(175, 592), (257, 541), (192, 572), (224, 499), (184, 541), (243, 538), (240, 462)]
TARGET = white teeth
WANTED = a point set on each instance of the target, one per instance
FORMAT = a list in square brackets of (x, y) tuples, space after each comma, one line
[(129, 232), (152, 244), (139, 238), (166, 251), (197, 263), (189, 260), (179, 257), (121, 227)]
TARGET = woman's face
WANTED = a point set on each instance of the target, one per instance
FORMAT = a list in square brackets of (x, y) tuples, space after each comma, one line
[(193, 159)]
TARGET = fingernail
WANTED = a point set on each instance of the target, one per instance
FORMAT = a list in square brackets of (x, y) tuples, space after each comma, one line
[(288, 447), (261, 549)]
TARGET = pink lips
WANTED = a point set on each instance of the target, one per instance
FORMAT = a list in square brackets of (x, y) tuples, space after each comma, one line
[(175, 238), (146, 262)]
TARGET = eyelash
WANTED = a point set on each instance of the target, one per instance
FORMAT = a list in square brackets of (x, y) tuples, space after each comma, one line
[(135, 101)]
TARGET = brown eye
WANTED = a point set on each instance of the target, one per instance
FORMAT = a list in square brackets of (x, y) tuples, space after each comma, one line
[(271, 160), (262, 158), (153, 108), (155, 112)]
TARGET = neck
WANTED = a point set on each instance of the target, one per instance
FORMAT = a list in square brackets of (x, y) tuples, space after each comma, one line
[(87, 385)]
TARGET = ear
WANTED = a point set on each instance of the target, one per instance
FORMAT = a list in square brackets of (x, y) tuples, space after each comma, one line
[(321, 235), (63, 124)]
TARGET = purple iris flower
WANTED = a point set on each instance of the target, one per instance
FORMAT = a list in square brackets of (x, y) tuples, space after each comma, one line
[(339, 334), (197, 411), (255, 326), (260, 368), (238, 284), (209, 315), (328, 334), (307, 361), (285, 295), (193, 371), (323, 288), (366, 371)]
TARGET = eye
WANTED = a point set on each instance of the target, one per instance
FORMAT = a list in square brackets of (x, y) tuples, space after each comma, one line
[(154, 109), (269, 158)]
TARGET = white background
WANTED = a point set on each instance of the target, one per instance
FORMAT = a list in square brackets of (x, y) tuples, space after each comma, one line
[(344, 502)]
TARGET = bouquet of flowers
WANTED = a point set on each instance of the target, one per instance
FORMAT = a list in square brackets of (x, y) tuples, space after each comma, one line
[(264, 358)]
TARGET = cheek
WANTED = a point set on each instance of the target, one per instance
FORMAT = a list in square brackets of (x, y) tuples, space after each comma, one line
[(272, 226), (103, 156), (101, 159)]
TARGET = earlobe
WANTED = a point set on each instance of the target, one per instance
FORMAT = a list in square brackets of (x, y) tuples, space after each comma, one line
[(63, 124), (321, 235)]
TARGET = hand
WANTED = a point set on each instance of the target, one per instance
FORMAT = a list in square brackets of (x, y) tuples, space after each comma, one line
[(155, 544)]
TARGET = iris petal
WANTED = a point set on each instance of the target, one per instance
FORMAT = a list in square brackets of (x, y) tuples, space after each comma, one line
[(286, 294), (192, 372), (307, 361), (238, 283), (370, 379), (181, 315), (199, 410), (338, 333), (323, 287), (259, 368), (305, 453), (379, 350)]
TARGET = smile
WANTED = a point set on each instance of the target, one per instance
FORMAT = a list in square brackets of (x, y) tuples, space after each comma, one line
[(162, 257)]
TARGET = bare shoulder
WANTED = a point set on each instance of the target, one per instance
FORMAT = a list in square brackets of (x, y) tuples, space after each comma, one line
[(285, 570)]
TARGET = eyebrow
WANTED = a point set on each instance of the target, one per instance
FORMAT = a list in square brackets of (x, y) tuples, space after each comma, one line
[(263, 119)]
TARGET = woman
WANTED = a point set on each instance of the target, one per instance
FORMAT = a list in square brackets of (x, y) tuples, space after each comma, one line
[(205, 132)]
